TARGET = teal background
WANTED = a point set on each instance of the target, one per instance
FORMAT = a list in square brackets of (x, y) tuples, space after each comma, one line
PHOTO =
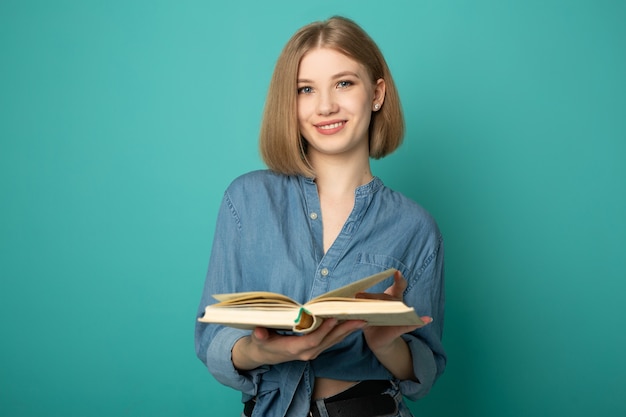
[(121, 123)]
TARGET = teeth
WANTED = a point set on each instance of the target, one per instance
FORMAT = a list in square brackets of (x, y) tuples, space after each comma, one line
[(331, 126)]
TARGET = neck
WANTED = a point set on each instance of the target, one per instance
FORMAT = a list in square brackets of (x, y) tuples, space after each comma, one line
[(337, 179)]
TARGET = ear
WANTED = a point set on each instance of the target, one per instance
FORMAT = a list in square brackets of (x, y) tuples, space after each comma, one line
[(379, 94)]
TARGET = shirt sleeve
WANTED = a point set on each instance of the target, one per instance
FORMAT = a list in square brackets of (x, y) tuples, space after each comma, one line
[(426, 294), (213, 342)]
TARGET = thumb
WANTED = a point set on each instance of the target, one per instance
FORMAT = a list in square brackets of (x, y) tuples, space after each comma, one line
[(399, 285), (261, 333)]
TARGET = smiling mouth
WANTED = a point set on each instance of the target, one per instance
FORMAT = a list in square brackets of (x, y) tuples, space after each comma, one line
[(330, 126)]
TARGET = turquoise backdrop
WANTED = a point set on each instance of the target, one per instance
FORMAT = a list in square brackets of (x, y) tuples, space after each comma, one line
[(121, 123)]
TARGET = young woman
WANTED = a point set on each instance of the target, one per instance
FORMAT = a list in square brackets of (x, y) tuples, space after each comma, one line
[(317, 220)]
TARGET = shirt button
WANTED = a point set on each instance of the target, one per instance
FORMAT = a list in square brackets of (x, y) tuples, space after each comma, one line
[(324, 272), (313, 216)]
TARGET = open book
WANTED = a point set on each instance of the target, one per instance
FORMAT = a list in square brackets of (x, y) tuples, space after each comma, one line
[(247, 310)]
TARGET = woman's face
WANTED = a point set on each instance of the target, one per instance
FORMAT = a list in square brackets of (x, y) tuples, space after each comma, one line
[(336, 98)]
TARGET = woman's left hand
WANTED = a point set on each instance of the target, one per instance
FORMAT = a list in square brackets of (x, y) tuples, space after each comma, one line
[(382, 340)]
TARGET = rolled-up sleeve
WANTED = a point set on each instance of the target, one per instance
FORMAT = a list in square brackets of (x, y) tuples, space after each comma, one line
[(427, 295), (213, 342), (220, 365)]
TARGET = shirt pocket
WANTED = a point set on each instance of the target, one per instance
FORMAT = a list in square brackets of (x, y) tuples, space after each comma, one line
[(367, 264)]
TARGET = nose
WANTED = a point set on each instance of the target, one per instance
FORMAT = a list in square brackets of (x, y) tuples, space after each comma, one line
[(326, 104)]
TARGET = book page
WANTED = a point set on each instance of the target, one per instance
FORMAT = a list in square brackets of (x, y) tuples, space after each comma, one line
[(242, 317), (375, 312), (253, 297), (348, 291)]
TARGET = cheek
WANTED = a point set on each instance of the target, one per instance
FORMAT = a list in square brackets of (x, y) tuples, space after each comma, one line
[(360, 104), (302, 110), (302, 122)]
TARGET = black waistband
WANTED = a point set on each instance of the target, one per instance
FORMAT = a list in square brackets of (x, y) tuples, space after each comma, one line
[(365, 399), (362, 389)]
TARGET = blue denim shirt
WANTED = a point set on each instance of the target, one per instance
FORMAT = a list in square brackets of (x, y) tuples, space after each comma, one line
[(269, 237)]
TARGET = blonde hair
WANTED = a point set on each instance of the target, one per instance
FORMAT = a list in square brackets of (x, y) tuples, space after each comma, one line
[(282, 148)]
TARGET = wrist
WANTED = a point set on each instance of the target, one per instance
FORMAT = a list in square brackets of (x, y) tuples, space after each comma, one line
[(387, 349), (396, 357), (243, 355)]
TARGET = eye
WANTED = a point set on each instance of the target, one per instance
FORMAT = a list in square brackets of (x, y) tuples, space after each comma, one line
[(305, 90), (344, 84)]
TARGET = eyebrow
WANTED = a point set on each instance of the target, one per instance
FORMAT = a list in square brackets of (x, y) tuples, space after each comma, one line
[(334, 77)]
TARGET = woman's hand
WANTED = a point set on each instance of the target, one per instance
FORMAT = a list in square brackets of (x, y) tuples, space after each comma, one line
[(385, 341), (266, 347)]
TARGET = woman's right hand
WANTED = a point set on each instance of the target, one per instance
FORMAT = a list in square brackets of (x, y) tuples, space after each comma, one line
[(266, 347)]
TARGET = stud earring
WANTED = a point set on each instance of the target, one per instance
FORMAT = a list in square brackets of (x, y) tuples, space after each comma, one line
[(376, 106)]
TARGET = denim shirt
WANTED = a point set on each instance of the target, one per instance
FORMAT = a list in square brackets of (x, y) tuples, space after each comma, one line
[(269, 237)]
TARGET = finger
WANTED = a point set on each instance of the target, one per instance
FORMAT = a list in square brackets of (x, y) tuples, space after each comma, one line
[(400, 281), (342, 330), (349, 326), (319, 339), (337, 330), (398, 287), (322, 331), (261, 333)]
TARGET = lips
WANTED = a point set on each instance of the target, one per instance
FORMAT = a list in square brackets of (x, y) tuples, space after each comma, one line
[(330, 127)]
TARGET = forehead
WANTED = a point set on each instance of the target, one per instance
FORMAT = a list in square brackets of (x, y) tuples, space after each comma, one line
[(328, 62)]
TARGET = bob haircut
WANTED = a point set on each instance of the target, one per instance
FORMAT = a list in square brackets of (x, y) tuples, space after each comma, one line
[(282, 147)]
